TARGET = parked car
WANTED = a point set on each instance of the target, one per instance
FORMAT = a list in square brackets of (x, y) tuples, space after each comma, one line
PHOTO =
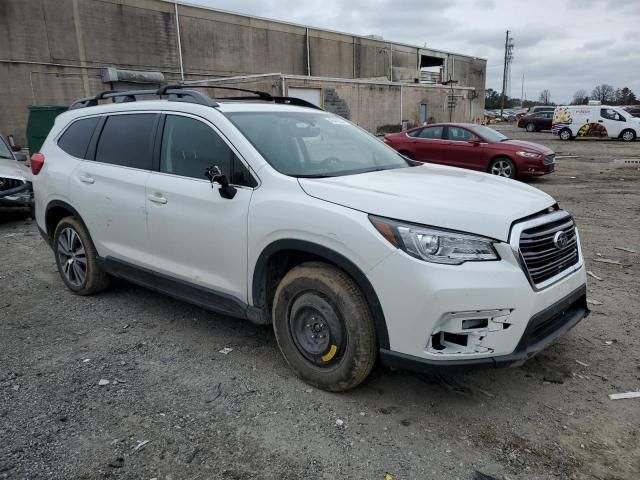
[(281, 213), (15, 179), (534, 122), (542, 108), (475, 147), (596, 121)]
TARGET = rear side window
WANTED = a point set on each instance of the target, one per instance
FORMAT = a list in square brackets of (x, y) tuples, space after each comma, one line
[(127, 140), (75, 140), (414, 133)]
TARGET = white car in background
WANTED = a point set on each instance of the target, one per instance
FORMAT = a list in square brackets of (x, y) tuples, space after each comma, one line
[(15, 179)]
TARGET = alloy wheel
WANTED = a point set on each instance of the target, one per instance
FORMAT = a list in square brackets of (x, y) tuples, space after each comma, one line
[(502, 168), (72, 257)]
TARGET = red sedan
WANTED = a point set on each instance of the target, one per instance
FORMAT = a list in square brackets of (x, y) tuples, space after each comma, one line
[(475, 147)]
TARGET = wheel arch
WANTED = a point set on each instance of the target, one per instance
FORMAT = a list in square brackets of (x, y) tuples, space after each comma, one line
[(635, 132), (282, 255), (55, 211)]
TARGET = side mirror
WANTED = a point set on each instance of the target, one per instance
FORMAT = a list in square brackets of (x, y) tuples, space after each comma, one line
[(474, 141), (215, 175), (16, 148), (21, 157)]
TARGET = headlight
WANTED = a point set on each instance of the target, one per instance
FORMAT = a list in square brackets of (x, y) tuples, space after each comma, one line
[(434, 245), (528, 154)]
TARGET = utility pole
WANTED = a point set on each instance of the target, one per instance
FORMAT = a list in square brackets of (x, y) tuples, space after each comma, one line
[(522, 93), (508, 56)]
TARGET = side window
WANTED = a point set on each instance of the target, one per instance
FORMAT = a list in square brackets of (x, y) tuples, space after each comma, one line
[(75, 140), (190, 146), (432, 133), (611, 114), (127, 140), (458, 134), (414, 133)]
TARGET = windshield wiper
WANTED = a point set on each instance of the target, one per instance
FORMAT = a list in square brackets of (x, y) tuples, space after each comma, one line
[(312, 175)]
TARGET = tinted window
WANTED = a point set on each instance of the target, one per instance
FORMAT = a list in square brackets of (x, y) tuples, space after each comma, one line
[(127, 140), (434, 133), (75, 140), (414, 133), (190, 146), (459, 134)]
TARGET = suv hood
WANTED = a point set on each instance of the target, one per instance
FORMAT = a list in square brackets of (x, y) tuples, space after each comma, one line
[(435, 195)]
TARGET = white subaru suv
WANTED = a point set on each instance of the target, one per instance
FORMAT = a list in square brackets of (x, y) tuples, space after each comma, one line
[(273, 210)]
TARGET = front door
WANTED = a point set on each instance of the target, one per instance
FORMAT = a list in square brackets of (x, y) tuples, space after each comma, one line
[(612, 121), (199, 238), (461, 153)]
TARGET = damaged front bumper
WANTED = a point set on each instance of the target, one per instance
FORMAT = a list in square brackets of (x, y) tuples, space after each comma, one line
[(542, 330), (15, 193)]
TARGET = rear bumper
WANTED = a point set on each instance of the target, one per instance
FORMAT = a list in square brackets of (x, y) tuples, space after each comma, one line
[(543, 329)]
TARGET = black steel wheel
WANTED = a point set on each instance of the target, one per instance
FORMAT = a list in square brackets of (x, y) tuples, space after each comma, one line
[(324, 327)]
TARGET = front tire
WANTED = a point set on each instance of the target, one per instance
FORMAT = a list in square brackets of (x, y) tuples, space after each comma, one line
[(324, 327), (77, 259), (503, 167), (628, 135), (565, 134), (530, 127)]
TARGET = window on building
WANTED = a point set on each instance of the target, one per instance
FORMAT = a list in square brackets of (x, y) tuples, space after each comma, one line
[(127, 140), (75, 140)]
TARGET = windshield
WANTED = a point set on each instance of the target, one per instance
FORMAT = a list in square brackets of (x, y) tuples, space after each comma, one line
[(314, 144), (489, 133), (4, 150)]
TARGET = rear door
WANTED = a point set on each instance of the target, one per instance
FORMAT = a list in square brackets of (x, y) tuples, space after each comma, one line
[(430, 145), (199, 238), (108, 189), (461, 153), (545, 120)]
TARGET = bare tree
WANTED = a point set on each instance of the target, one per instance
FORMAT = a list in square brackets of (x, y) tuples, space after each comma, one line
[(580, 97), (604, 93), (545, 97)]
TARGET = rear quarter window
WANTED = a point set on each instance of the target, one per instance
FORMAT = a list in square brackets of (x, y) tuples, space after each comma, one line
[(127, 140), (75, 140)]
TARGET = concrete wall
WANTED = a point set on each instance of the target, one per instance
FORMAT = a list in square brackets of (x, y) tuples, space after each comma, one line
[(51, 51)]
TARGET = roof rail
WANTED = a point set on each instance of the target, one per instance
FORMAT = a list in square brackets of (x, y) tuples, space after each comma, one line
[(174, 93), (177, 93)]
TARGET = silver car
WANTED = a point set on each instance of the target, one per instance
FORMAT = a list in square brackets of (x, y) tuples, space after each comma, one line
[(15, 180)]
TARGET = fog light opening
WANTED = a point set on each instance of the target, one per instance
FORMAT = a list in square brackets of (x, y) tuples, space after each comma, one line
[(475, 323)]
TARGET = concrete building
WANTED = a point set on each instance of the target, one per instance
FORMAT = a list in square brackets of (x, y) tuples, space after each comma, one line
[(55, 51)]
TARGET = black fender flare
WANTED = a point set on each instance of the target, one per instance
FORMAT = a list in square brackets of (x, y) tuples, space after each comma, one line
[(334, 257), (61, 204)]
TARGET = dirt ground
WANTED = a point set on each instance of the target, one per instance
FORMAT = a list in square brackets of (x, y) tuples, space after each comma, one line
[(243, 415)]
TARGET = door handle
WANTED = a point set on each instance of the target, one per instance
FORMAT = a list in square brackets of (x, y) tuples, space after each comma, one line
[(86, 179), (157, 198), (600, 121)]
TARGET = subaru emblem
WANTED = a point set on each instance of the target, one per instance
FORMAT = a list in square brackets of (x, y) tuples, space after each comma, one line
[(560, 240)]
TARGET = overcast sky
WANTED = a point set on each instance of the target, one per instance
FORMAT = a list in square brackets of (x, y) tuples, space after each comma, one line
[(560, 45)]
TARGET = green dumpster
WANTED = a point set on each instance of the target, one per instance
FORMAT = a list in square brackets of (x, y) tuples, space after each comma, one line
[(41, 118)]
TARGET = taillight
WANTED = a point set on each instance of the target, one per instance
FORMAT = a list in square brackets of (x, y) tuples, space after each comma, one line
[(37, 162)]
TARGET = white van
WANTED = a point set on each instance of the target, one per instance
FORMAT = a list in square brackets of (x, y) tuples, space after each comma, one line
[(597, 121)]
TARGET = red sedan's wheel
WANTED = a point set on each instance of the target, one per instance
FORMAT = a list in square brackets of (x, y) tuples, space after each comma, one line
[(503, 167)]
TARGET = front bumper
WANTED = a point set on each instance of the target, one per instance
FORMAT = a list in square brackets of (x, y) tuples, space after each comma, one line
[(491, 304), (542, 330), (17, 197)]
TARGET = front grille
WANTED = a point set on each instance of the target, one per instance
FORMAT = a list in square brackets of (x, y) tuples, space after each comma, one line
[(549, 159), (543, 257), (9, 183)]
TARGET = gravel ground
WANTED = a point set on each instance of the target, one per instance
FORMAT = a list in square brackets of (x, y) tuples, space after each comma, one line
[(204, 414)]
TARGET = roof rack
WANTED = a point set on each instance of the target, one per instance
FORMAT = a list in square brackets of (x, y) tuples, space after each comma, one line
[(178, 93)]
